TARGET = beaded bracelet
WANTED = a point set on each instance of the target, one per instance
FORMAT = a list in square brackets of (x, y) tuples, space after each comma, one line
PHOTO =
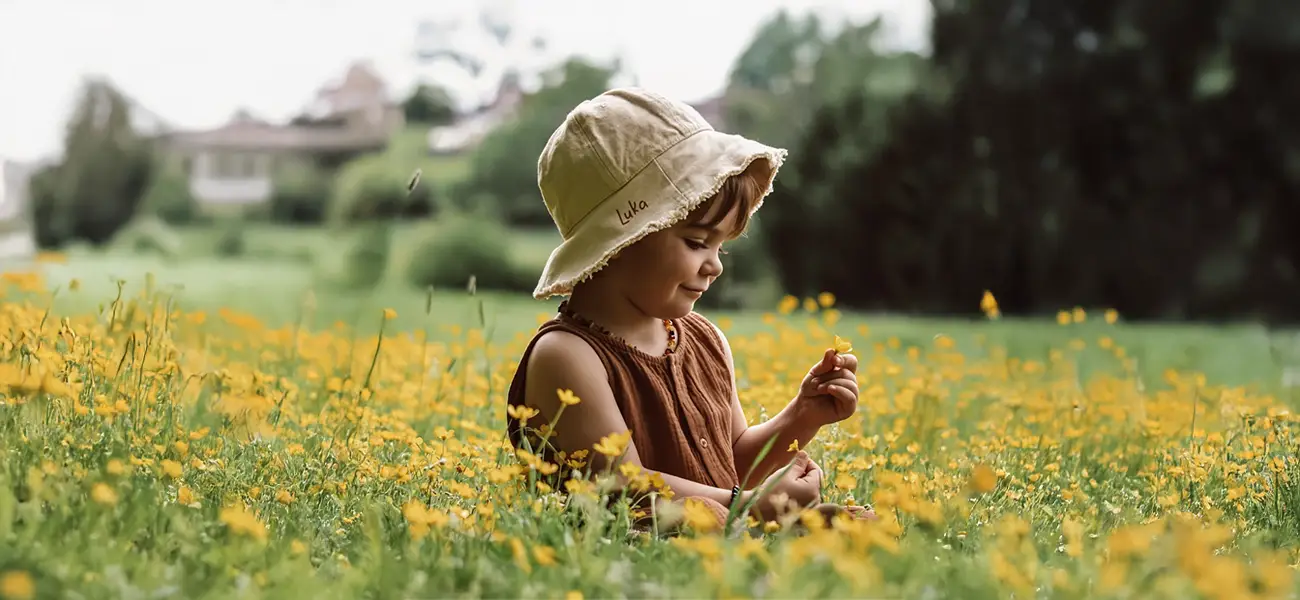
[(735, 493)]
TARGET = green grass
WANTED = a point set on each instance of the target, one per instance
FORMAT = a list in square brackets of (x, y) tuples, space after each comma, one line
[(273, 291), (280, 243), (245, 463)]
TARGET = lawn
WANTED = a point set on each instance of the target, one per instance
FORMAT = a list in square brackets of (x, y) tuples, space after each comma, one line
[(217, 449), (281, 243), (273, 290)]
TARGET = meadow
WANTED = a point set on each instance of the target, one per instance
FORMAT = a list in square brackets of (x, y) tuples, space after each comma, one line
[(220, 429)]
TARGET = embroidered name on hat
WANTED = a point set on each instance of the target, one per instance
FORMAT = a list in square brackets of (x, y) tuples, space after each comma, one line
[(632, 210)]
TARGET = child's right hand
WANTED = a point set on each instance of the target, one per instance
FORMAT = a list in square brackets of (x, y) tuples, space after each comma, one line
[(800, 484)]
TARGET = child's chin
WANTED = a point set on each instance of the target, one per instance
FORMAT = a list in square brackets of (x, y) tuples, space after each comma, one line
[(677, 309)]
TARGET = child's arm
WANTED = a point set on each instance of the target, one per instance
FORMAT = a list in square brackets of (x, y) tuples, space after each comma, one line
[(561, 360), (747, 442)]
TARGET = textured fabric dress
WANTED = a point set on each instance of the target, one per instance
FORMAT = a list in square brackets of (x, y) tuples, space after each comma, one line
[(677, 406)]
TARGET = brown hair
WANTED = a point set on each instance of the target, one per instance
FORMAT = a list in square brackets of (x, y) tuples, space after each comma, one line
[(740, 190)]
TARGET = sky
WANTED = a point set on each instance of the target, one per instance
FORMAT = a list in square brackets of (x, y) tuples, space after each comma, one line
[(194, 64)]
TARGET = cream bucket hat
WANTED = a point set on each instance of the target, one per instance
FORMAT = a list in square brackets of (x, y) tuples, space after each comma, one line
[(626, 164)]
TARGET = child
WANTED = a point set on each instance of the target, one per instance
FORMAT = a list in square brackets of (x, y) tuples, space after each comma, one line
[(644, 193)]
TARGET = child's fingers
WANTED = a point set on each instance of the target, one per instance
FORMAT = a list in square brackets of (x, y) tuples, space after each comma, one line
[(842, 374), (847, 362), (842, 393), (814, 472), (846, 383), (861, 512), (827, 363), (800, 463)]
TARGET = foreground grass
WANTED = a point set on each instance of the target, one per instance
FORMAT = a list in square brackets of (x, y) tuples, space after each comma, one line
[(162, 446)]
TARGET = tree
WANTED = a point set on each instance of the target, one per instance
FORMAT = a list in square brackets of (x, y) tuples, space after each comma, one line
[(168, 196), (105, 170), (1094, 152), (503, 168), (766, 95), (429, 105), (834, 119)]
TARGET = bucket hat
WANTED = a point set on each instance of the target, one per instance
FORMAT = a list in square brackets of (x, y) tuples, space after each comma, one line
[(626, 164)]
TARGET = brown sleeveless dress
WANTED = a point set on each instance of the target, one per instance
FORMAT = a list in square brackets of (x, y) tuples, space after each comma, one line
[(678, 406)]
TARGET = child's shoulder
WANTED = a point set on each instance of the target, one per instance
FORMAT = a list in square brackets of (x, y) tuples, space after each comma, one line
[(709, 330), (704, 321), (561, 344)]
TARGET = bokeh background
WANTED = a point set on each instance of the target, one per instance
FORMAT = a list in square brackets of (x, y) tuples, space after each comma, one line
[(1121, 154)]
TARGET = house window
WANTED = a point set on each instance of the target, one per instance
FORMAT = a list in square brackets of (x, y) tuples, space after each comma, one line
[(248, 164), (234, 165), (223, 166)]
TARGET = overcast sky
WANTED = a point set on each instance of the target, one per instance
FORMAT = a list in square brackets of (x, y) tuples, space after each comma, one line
[(194, 63)]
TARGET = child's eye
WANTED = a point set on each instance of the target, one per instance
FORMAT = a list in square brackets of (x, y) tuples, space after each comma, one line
[(694, 245)]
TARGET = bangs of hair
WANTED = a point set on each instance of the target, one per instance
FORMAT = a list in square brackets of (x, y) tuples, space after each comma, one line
[(742, 190)]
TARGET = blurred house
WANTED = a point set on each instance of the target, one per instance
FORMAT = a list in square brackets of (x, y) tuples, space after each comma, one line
[(17, 237), (468, 130), (232, 168)]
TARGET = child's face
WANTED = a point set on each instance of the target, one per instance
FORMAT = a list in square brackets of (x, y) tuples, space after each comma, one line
[(667, 271)]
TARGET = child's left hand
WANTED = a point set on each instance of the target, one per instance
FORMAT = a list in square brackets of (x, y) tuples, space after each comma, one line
[(829, 392)]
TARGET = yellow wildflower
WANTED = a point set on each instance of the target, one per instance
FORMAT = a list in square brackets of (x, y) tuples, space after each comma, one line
[(420, 518), (989, 305), (614, 444), (567, 397), (788, 305), (243, 522), (17, 585), (700, 517), (103, 494), (171, 468), (982, 479)]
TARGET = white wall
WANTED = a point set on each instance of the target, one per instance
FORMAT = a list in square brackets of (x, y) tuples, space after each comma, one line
[(17, 238), (230, 179)]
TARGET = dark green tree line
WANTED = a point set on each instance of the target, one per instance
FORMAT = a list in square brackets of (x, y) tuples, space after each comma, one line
[(1099, 152)]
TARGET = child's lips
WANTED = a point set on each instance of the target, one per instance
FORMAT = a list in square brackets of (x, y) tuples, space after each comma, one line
[(696, 291)]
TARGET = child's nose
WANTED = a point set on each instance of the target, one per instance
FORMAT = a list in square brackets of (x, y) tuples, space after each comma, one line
[(712, 266)]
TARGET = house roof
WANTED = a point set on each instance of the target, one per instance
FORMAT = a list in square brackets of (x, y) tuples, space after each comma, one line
[(360, 87), (360, 77), (258, 135)]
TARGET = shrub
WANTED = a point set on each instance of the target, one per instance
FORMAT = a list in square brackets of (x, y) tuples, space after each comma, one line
[(369, 188), (362, 261), (301, 194), (168, 197), (460, 248), (231, 242), (148, 234)]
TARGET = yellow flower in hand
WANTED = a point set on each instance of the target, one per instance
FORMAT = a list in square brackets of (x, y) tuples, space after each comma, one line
[(829, 391)]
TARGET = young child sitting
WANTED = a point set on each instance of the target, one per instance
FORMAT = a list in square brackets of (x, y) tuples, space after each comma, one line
[(645, 192)]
